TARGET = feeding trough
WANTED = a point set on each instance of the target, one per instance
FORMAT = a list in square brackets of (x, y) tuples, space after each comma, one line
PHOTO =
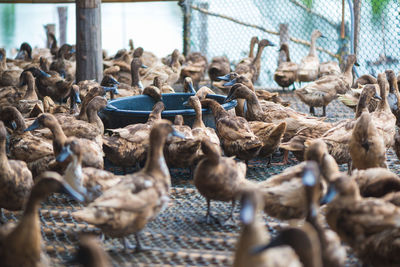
[(136, 109)]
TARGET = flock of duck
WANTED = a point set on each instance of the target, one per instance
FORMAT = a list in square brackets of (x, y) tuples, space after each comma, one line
[(53, 140)]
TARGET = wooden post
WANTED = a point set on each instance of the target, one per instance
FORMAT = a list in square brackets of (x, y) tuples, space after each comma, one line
[(204, 29), (283, 38), (49, 28), (89, 61), (186, 26), (62, 24)]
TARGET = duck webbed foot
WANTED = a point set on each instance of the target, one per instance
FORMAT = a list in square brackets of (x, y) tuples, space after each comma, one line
[(312, 110), (230, 220), (209, 219), (138, 248)]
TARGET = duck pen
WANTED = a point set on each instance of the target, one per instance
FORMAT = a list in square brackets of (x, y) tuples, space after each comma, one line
[(177, 236)]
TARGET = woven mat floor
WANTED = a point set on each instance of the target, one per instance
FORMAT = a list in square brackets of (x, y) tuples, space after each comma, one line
[(177, 237)]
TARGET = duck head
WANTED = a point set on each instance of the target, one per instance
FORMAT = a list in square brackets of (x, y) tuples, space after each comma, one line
[(90, 253), (25, 77), (304, 241), (97, 103), (316, 34), (164, 128), (316, 150), (240, 79), (154, 92), (25, 52), (265, 42), (392, 79), (37, 73), (44, 120), (137, 63), (75, 94), (250, 204), (237, 91), (342, 186), (311, 182), (178, 120), (65, 51), (49, 182), (138, 52), (228, 77), (192, 101), (188, 85), (351, 60)]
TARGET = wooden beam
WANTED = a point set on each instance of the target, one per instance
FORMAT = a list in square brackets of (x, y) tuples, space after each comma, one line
[(73, 1), (89, 57)]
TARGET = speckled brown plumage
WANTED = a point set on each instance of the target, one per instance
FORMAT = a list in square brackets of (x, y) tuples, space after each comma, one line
[(128, 146), (235, 134), (127, 207), (369, 225), (15, 178)]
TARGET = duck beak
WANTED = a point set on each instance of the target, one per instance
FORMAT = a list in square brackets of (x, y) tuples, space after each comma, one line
[(308, 178), (72, 50), (230, 83), (191, 88), (66, 188), (114, 81), (20, 54), (44, 74), (186, 104), (64, 154), (376, 96), (356, 64), (13, 125), (247, 212), (33, 126), (271, 43), (330, 195), (144, 66), (77, 98), (276, 242), (178, 134), (323, 36), (1, 56), (111, 89), (224, 78)]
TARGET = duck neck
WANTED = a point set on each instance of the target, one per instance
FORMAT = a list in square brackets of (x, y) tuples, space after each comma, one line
[(155, 114), (257, 59), (27, 232), (30, 92), (198, 121), (383, 103), (73, 173), (135, 76), (83, 111), (59, 138), (252, 45), (362, 105), (286, 50), (19, 121), (348, 74), (253, 105), (313, 48), (155, 163), (4, 165), (217, 110), (94, 118)]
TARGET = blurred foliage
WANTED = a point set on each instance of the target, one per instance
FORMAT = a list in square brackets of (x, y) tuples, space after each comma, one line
[(308, 3), (378, 7), (7, 21)]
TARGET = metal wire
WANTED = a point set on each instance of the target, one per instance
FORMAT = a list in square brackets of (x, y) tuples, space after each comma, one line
[(176, 236), (223, 27)]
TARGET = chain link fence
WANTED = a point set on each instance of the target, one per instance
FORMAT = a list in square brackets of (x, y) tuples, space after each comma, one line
[(224, 27)]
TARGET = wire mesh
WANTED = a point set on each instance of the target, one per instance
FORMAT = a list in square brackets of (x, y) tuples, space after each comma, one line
[(224, 27), (176, 237)]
